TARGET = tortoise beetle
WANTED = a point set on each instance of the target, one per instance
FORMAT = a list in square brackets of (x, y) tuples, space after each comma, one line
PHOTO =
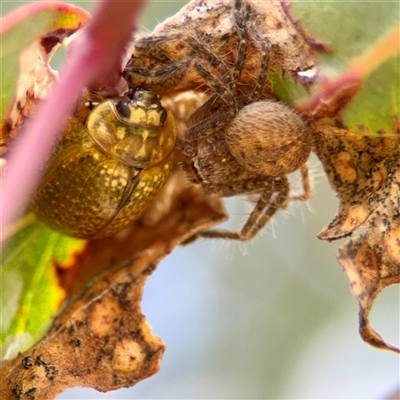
[(103, 175)]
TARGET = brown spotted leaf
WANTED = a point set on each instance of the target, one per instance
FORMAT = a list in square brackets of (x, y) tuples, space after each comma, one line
[(100, 338), (364, 171), (372, 262), (357, 89)]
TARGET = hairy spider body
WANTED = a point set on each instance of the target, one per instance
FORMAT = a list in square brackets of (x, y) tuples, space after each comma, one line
[(237, 159), (242, 139)]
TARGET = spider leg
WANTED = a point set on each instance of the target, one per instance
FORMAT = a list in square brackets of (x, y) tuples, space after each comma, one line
[(213, 119), (270, 202), (223, 91), (158, 80), (263, 68), (138, 72), (148, 43), (170, 73), (242, 14), (205, 111), (212, 114), (166, 76), (305, 180), (206, 127)]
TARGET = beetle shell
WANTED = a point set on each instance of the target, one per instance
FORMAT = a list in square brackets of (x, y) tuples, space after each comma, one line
[(104, 175)]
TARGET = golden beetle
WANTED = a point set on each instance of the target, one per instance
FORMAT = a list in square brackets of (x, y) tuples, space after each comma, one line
[(104, 174)]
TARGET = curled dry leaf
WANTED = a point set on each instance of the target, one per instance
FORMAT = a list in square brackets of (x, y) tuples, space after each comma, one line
[(36, 77), (209, 26), (101, 339), (364, 171)]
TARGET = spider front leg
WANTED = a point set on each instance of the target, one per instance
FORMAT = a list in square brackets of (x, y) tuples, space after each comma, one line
[(242, 14), (212, 116), (152, 65), (261, 82), (209, 117), (271, 200)]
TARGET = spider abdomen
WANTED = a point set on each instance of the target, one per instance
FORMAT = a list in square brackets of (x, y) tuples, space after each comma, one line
[(268, 138)]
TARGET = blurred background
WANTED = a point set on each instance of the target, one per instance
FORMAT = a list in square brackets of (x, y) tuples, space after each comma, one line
[(270, 319)]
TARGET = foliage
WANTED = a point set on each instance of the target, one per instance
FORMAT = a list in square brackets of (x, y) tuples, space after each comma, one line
[(41, 267)]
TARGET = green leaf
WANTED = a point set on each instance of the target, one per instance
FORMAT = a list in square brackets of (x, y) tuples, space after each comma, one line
[(286, 88), (351, 29), (30, 293), (378, 100)]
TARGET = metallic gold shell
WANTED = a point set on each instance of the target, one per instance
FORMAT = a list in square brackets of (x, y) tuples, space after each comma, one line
[(103, 176)]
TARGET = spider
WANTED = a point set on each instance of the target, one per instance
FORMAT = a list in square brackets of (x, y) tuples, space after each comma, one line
[(242, 140)]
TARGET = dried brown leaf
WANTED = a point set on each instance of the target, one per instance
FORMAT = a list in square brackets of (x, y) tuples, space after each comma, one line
[(211, 20), (364, 171), (371, 262), (101, 339)]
